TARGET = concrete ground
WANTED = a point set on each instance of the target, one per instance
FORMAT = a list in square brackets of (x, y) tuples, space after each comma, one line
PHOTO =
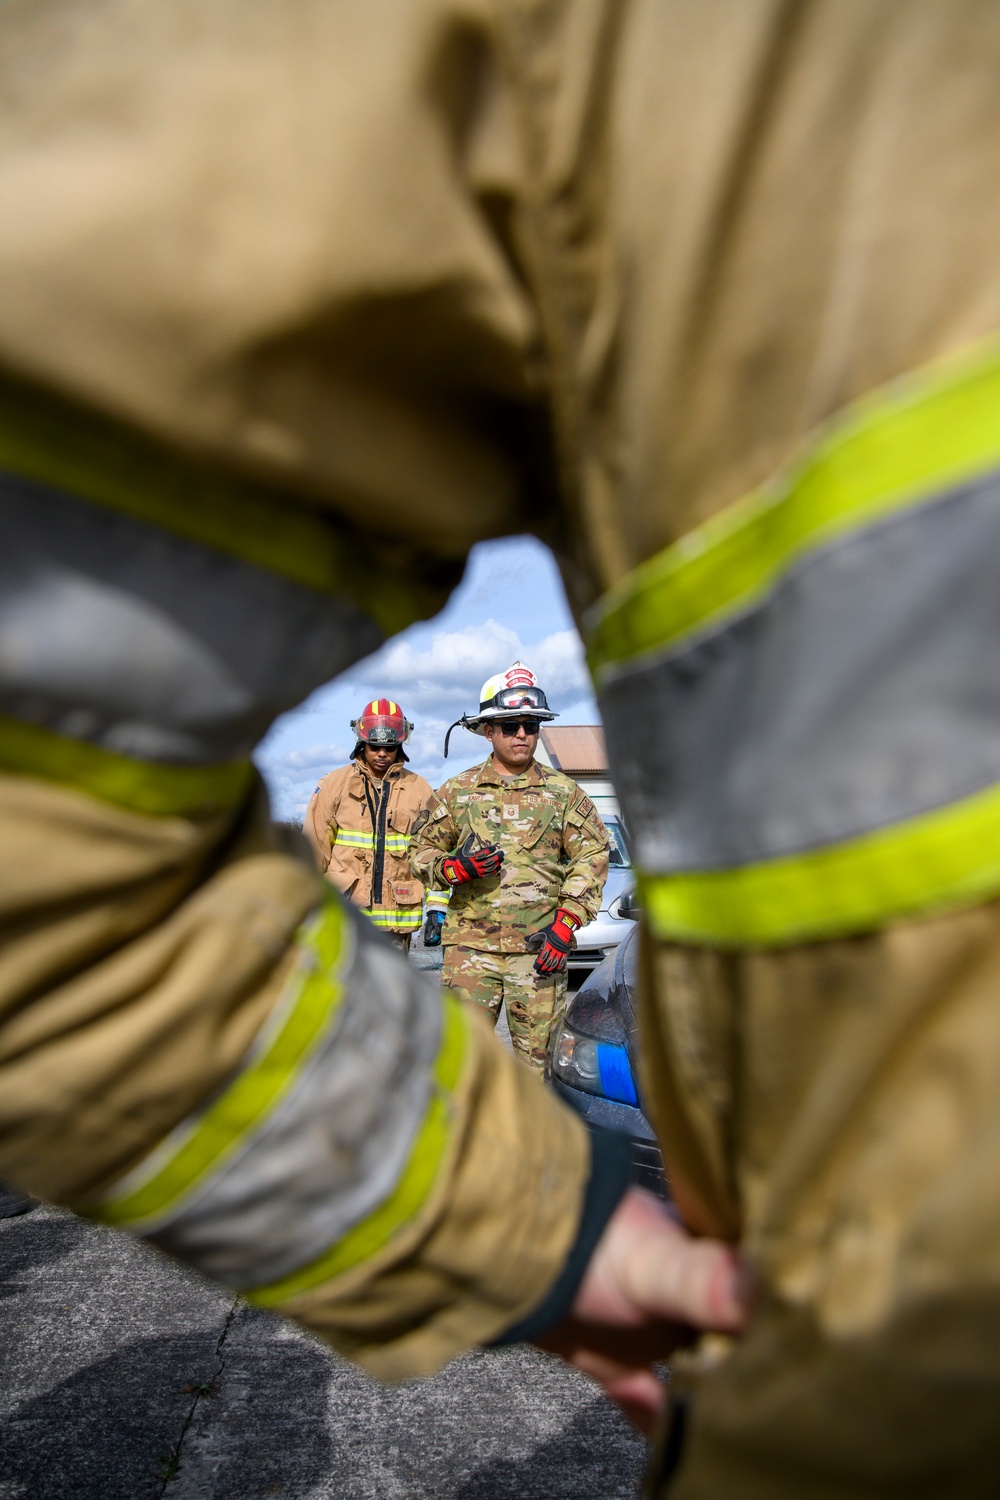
[(125, 1377)]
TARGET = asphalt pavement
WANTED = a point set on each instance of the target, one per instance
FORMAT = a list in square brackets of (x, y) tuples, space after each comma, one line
[(125, 1377)]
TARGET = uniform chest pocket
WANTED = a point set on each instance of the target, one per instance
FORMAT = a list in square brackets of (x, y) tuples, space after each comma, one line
[(535, 825), (397, 837), (353, 843), (486, 822)]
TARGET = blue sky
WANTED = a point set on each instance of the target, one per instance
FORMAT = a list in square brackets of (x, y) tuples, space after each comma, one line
[(510, 604)]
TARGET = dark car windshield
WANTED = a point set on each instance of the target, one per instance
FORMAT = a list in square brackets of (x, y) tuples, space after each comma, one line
[(618, 856)]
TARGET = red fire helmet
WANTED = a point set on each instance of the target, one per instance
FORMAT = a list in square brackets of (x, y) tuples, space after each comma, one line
[(382, 722)]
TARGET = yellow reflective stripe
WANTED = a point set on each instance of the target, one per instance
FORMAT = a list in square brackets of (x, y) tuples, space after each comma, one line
[(425, 1165), (438, 900), (926, 432), (160, 1184), (942, 859), (352, 839), (398, 917), (84, 454), (143, 786)]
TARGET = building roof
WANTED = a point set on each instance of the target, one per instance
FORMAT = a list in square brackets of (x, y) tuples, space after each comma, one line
[(577, 749)]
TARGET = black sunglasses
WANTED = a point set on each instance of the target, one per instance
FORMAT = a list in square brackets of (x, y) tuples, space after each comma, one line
[(510, 727)]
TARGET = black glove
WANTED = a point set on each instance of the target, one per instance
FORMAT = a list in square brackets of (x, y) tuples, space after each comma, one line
[(554, 941), (470, 863), (432, 929)]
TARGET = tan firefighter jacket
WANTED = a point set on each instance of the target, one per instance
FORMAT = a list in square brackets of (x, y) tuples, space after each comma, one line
[(360, 828), (298, 306)]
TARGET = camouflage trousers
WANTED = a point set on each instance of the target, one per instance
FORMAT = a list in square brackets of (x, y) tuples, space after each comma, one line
[(535, 1002)]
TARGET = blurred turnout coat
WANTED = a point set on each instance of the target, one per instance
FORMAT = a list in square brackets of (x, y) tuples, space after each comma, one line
[(298, 306), (359, 826), (555, 850)]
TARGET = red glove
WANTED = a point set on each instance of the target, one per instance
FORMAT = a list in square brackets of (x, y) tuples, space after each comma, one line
[(469, 864), (554, 941)]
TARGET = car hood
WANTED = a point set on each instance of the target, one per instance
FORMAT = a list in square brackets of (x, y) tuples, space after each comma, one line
[(608, 928)]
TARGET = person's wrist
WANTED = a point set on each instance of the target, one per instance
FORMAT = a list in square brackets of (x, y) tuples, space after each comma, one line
[(564, 925), (647, 1268), (607, 1183)]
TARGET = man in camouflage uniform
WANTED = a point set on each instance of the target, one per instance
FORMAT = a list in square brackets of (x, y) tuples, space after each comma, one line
[(526, 856)]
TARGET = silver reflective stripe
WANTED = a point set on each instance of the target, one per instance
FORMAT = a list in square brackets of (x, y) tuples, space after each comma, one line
[(862, 691), (335, 1148), (118, 633)]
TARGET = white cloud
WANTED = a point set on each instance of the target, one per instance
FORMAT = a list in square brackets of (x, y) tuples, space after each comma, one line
[(315, 757), (443, 676)]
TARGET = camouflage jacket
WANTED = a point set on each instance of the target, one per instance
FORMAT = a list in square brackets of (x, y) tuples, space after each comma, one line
[(555, 853)]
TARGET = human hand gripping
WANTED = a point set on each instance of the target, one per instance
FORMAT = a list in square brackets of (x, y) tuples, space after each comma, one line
[(470, 863), (650, 1288)]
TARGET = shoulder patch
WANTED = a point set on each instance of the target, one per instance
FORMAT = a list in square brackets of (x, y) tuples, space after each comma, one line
[(422, 816)]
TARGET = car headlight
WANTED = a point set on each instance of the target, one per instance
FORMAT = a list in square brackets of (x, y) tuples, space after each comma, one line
[(594, 1067)]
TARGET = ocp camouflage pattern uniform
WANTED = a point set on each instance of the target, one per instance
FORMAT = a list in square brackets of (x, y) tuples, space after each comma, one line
[(555, 850)]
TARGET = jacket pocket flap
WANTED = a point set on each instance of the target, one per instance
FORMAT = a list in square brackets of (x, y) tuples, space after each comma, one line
[(543, 823), (407, 892)]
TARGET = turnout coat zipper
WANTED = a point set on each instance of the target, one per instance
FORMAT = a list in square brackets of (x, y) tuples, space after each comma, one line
[(360, 829)]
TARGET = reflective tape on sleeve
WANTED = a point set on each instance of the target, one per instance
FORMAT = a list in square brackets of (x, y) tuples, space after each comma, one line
[(142, 786), (149, 645), (394, 918), (87, 455), (420, 1175), (945, 859), (317, 1141), (925, 434), (815, 676)]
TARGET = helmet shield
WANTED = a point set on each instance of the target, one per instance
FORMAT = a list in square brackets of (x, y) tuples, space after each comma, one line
[(515, 699)]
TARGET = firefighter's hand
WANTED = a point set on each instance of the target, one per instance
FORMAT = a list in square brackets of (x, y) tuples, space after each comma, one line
[(469, 863), (432, 929), (650, 1288), (554, 943)]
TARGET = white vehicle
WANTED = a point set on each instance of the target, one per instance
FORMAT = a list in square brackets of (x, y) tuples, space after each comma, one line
[(613, 923)]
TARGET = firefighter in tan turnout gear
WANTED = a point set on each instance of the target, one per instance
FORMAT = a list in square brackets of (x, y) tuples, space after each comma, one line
[(359, 821), (525, 854), (299, 306)]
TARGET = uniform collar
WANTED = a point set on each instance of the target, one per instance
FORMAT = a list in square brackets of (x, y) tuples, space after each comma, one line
[(490, 776), (393, 772)]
